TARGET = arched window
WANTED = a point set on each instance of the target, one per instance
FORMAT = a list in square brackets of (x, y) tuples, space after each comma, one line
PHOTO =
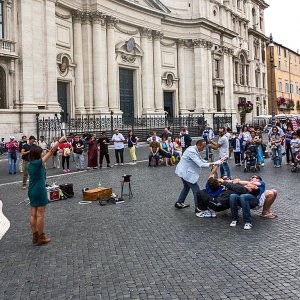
[(257, 110), (3, 103), (242, 70)]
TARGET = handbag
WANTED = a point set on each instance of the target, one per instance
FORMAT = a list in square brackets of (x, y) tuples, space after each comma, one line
[(173, 159), (137, 146)]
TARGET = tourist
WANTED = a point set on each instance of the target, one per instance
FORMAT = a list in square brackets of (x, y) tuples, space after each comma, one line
[(37, 192), (78, 148), (208, 134), (275, 141), (154, 147), (93, 153), (288, 150), (132, 145), (65, 147), (25, 152), (2, 146), (118, 140), (103, 143), (41, 143), (157, 138), (223, 146), (189, 169), (236, 146), (185, 140), (295, 146), (244, 137), (55, 156), (21, 143), (177, 146), (12, 149), (166, 133)]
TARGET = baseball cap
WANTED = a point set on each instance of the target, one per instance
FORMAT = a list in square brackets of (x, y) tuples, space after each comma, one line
[(12, 137)]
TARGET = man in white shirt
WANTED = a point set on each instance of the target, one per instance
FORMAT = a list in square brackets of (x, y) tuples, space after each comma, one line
[(157, 138), (188, 169), (223, 146), (118, 140)]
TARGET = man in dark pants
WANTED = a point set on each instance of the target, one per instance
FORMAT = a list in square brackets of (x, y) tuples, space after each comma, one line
[(103, 142)]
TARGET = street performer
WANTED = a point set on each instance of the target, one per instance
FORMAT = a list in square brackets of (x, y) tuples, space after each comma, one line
[(189, 168)]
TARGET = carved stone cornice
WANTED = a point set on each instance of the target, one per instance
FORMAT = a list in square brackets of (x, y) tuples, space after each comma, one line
[(63, 17), (146, 32), (77, 16), (199, 43), (129, 32), (157, 35), (86, 17), (98, 17), (167, 44), (128, 58), (180, 43), (227, 50), (111, 22)]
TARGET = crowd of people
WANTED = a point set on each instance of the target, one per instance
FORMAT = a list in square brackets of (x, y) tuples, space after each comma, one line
[(247, 145)]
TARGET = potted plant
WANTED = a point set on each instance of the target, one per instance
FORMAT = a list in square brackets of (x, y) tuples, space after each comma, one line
[(245, 106)]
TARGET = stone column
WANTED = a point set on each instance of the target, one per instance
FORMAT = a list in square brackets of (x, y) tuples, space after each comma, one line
[(51, 74), (182, 78), (199, 107), (87, 46), (26, 67), (78, 59), (158, 96), (228, 80), (99, 70), (112, 65), (146, 78), (210, 76)]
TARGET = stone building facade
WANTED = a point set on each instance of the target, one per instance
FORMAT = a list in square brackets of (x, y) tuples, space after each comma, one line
[(130, 57), (286, 79)]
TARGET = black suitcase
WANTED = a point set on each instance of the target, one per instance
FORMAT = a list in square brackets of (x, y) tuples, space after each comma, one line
[(67, 189)]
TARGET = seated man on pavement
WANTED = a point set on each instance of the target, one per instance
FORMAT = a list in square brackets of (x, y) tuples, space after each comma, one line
[(215, 197), (154, 151)]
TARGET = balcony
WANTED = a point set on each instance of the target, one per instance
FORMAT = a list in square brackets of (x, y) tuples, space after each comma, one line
[(7, 48)]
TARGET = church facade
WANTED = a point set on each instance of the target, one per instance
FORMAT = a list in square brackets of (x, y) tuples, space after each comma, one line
[(130, 58)]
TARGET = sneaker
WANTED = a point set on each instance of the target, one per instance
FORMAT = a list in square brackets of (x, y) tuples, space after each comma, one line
[(204, 214), (65, 171), (233, 223), (197, 210), (213, 213), (121, 164), (247, 226), (181, 205), (24, 187), (68, 170), (274, 166), (278, 166), (116, 164), (262, 164), (108, 166)]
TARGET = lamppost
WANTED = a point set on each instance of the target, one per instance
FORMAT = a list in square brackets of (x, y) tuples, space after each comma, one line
[(271, 46)]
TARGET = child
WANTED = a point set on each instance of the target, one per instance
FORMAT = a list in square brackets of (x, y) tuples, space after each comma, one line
[(295, 146), (249, 159), (236, 145)]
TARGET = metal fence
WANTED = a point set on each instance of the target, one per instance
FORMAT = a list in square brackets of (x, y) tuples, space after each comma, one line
[(143, 127)]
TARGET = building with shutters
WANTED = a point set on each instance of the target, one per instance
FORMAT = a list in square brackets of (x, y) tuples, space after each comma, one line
[(130, 57)]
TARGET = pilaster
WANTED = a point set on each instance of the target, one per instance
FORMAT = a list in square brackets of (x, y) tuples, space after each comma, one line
[(182, 78), (78, 59), (158, 96)]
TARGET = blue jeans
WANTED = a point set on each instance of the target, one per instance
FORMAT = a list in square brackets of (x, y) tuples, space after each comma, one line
[(277, 156), (246, 201), (206, 151), (186, 188), (243, 149), (224, 168), (12, 164), (79, 160), (260, 156)]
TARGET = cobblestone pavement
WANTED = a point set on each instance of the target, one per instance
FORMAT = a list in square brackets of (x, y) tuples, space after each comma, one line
[(146, 249)]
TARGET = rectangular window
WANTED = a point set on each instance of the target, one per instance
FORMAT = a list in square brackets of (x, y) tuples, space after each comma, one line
[(292, 88), (278, 50), (297, 89), (279, 65), (1, 21), (257, 79), (280, 86), (217, 68), (247, 75), (264, 80), (286, 52), (236, 72), (286, 87)]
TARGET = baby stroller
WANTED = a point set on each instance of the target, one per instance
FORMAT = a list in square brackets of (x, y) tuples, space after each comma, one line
[(296, 167), (251, 161)]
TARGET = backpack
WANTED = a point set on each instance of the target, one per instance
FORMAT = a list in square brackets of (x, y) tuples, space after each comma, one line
[(67, 151)]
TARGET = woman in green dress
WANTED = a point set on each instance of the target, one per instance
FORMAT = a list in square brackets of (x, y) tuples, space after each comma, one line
[(37, 192)]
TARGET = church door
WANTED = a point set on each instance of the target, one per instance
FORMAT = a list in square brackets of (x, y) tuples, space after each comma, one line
[(62, 95), (168, 104), (126, 93)]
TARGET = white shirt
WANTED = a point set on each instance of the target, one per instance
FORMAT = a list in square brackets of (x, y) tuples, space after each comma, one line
[(118, 137), (157, 139), (224, 146)]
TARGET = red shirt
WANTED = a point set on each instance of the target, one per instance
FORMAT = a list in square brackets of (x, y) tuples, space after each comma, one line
[(11, 144), (63, 146)]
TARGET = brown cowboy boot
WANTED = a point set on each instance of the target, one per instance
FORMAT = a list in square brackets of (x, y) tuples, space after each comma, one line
[(43, 239), (35, 236)]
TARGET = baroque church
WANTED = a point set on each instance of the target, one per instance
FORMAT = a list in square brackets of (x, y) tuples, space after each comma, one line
[(130, 58)]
